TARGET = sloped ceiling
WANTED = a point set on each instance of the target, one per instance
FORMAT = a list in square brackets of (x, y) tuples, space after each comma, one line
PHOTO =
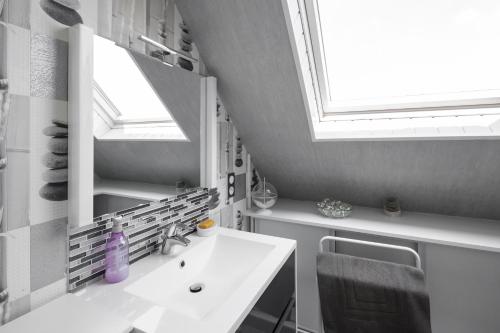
[(245, 45), (159, 162)]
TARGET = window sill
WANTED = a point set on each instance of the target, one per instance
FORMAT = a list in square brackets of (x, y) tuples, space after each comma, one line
[(439, 128), (103, 131), (143, 134)]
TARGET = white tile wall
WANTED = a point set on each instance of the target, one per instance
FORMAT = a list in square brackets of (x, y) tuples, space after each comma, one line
[(18, 123), (49, 67), (48, 293), (243, 168), (42, 23), (17, 172), (19, 307), (226, 214), (17, 12), (239, 206), (42, 112), (18, 263), (18, 60)]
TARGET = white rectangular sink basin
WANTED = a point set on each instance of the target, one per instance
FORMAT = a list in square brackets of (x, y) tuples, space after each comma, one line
[(235, 268), (218, 265)]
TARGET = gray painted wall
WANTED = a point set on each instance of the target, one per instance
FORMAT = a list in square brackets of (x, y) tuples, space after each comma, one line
[(246, 45), (159, 162)]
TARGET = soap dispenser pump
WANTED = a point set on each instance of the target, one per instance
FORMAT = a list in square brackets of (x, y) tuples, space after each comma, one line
[(117, 264)]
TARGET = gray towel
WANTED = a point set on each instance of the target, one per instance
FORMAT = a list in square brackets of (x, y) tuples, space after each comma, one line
[(360, 295)]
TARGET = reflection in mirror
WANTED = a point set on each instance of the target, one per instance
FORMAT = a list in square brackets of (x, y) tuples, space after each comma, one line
[(146, 124)]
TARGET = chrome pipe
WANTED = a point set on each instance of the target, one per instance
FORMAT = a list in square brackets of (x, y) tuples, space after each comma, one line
[(165, 48)]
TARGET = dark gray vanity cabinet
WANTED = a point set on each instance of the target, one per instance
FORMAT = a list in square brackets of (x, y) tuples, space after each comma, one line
[(275, 310)]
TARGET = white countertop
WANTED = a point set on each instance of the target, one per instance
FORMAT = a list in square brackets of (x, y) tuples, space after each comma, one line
[(69, 314), (479, 234), (136, 190), (150, 317)]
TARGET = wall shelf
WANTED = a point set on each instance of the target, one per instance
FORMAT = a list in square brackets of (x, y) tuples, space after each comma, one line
[(135, 190), (471, 233)]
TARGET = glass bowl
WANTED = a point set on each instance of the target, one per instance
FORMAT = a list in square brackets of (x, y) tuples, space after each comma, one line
[(264, 195), (334, 208)]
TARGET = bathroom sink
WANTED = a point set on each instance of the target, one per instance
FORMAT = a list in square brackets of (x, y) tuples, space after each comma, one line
[(203, 276), (209, 286)]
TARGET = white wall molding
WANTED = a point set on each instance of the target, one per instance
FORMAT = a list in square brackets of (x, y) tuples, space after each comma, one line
[(80, 121), (208, 133)]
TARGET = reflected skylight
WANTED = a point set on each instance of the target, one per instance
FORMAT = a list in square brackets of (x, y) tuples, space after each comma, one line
[(123, 83)]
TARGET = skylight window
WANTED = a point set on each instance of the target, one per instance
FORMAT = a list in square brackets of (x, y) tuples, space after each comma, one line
[(120, 79), (398, 68)]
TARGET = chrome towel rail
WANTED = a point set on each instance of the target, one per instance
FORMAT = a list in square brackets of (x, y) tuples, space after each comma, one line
[(165, 48), (418, 262)]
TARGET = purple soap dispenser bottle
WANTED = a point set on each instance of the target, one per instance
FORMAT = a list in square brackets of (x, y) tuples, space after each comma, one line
[(116, 254)]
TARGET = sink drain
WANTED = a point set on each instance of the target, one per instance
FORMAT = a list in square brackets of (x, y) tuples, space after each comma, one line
[(196, 287)]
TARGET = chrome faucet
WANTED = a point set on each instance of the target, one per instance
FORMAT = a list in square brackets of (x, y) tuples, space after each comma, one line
[(171, 237)]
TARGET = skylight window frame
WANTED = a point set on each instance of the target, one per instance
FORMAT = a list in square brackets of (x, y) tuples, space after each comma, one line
[(109, 127), (328, 111), (115, 117), (112, 125)]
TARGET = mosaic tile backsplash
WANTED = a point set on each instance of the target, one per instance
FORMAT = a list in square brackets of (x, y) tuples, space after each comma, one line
[(143, 225)]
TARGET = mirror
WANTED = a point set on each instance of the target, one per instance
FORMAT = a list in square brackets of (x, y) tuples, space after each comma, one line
[(146, 128), (140, 130)]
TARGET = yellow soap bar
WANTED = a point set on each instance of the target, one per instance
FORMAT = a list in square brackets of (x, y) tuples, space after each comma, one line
[(206, 224)]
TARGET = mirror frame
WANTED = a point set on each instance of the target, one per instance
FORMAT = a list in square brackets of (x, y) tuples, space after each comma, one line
[(81, 137)]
